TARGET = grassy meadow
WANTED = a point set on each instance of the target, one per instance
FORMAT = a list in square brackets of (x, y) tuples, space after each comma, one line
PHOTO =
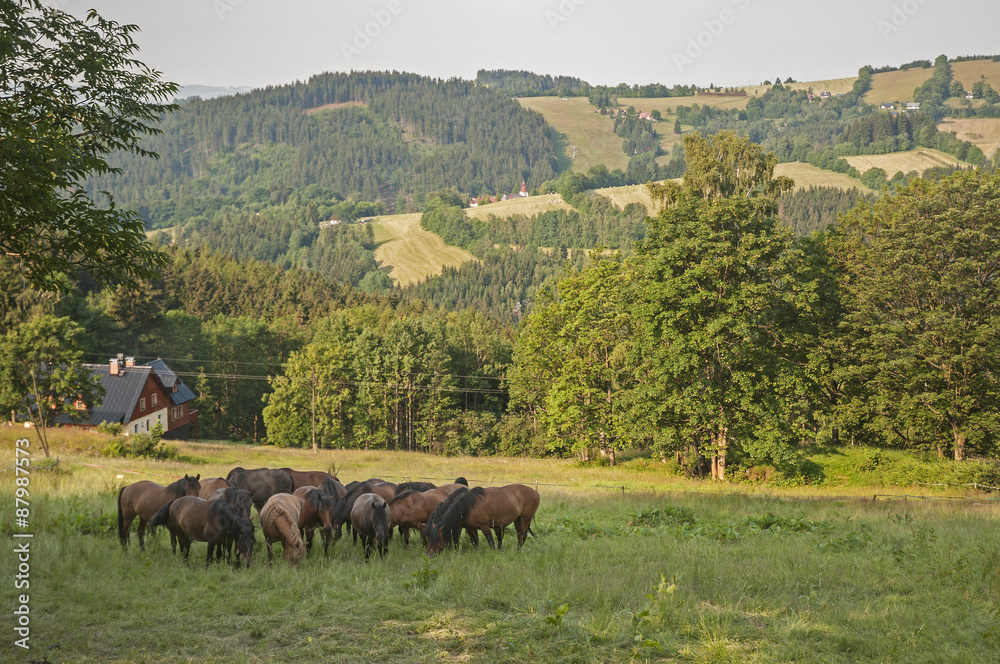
[(528, 205), (668, 570), (807, 175), (912, 160), (984, 133), (582, 126), (413, 253)]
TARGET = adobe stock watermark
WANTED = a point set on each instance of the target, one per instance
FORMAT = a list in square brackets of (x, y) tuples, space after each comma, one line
[(22, 543), (714, 29), (223, 7), (562, 12), (365, 34), (899, 17)]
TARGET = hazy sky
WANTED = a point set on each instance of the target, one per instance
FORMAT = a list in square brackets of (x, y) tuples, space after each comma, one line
[(725, 42)]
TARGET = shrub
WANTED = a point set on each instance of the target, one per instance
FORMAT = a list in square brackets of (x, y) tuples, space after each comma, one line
[(141, 446)]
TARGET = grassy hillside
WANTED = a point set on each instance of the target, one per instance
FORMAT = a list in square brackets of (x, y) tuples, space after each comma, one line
[(984, 133), (976, 70), (530, 205), (807, 175), (413, 253), (912, 160), (582, 126)]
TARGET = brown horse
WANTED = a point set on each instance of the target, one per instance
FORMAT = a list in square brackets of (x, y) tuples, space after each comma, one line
[(210, 484), (308, 477), (342, 511), (411, 509), (484, 509), (144, 498), (371, 518), (193, 519), (317, 512), (279, 519)]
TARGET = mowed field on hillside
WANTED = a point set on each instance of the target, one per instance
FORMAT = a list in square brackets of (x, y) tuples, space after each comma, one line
[(530, 206), (911, 160), (807, 175), (413, 253), (984, 133), (582, 126)]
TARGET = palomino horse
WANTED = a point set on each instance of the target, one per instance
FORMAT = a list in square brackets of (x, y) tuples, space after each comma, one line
[(484, 509), (193, 519), (144, 498), (279, 519), (342, 512), (262, 483), (371, 518), (312, 478), (411, 509), (210, 484), (317, 512)]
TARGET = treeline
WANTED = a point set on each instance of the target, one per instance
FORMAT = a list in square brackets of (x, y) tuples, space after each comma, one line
[(806, 211), (527, 84), (638, 135), (373, 136)]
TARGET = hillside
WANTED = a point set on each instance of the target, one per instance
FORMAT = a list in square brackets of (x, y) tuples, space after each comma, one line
[(387, 138), (528, 205), (912, 160), (413, 254)]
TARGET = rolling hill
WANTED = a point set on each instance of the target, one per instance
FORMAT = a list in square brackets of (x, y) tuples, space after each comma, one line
[(412, 253)]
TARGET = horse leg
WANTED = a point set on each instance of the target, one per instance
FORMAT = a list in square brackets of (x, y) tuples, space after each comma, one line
[(473, 537), (489, 537), (124, 526), (499, 532), (268, 542), (327, 536), (521, 526), (308, 537), (140, 532), (405, 532)]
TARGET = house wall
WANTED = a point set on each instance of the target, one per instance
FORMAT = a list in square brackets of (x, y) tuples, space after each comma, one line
[(145, 423), (142, 420)]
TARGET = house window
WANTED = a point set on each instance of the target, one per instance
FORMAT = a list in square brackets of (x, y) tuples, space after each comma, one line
[(173, 414), (142, 404), (180, 410), (153, 400), (136, 428)]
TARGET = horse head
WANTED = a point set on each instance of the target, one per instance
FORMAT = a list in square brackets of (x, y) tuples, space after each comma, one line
[(192, 484)]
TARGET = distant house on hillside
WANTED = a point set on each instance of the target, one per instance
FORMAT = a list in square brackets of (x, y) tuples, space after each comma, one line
[(969, 95), (887, 106), (524, 189), (326, 223), (139, 397), (913, 105), (824, 95), (474, 202), (646, 116)]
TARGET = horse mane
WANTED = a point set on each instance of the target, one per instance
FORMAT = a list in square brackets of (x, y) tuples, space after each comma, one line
[(461, 480), (404, 494), (178, 488), (161, 518), (316, 498), (437, 517), (416, 486)]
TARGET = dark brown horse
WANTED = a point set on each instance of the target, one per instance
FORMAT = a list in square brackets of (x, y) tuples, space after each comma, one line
[(333, 489), (411, 509), (414, 486), (144, 499), (308, 477), (192, 519), (371, 519), (241, 503), (484, 509), (317, 512), (342, 511), (262, 483), (210, 484), (279, 519)]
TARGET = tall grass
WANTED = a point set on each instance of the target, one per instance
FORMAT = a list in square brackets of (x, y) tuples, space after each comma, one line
[(645, 576)]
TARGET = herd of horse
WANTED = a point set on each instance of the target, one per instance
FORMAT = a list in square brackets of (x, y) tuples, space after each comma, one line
[(292, 505)]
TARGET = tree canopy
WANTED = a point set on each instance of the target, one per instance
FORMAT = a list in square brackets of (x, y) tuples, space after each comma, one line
[(70, 94)]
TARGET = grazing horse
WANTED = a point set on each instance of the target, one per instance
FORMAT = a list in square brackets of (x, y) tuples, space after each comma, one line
[(262, 483), (371, 518), (411, 509), (484, 509), (333, 489), (342, 512), (308, 477), (317, 512), (239, 500), (210, 484), (144, 498), (279, 519), (414, 486), (193, 519)]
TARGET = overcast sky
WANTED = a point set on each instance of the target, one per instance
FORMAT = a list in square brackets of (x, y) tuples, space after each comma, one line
[(726, 42)]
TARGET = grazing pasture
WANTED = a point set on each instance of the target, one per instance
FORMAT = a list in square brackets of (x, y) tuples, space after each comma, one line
[(582, 126), (528, 205), (412, 253), (667, 569), (807, 175)]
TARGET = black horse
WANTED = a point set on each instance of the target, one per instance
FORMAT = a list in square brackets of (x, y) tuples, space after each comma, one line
[(262, 483), (342, 511)]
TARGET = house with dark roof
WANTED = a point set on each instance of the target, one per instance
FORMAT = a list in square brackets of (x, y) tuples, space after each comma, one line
[(139, 397)]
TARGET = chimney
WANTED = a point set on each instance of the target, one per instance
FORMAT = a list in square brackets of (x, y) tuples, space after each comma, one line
[(113, 366), (129, 362)]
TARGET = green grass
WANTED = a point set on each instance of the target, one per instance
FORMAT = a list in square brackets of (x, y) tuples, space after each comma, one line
[(410, 253), (673, 570)]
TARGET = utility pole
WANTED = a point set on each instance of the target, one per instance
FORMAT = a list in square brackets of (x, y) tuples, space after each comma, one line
[(312, 385)]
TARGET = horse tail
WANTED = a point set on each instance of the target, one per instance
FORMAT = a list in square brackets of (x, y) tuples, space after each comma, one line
[(162, 517), (294, 538), (122, 532)]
